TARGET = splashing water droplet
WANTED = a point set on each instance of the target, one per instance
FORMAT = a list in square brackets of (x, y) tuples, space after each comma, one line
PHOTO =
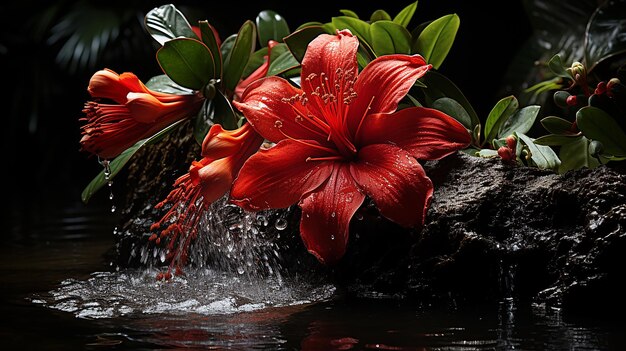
[(281, 224)]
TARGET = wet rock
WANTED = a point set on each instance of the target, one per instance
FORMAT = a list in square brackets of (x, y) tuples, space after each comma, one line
[(493, 232)]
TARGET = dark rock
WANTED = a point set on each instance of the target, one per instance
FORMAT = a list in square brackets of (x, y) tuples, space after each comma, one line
[(493, 232)]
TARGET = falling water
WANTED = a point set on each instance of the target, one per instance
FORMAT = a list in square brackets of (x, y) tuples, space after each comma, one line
[(234, 266), (107, 176)]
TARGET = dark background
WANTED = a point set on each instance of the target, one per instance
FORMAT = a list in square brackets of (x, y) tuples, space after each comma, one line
[(43, 98)]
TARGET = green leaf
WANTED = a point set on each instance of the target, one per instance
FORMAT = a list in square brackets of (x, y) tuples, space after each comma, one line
[(271, 26), (236, 61), (389, 38), (208, 38), (379, 15), (282, 63), (310, 24), (349, 13), (487, 153), (404, 17), (520, 122), (166, 23), (255, 61), (575, 155), (557, 125), (454, 109), (187, 61), (543, 156), (439, 86), (437, 38), (556, 66), (596, 124), (300, 39), (555, 139), (164, 84), (358, 27), (227, 47), (215, 111), (498, 115), (116, 165)]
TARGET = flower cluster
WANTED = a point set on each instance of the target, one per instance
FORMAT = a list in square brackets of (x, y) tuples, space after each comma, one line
[(328, 114)]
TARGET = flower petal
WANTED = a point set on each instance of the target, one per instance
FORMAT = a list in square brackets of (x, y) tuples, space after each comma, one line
[(329, 62), (427, 134), (395, 181), (326, 215), (383, 83), (270, 105), (278, 177)]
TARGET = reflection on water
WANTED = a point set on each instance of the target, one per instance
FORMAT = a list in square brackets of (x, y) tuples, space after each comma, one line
[(53, 300)]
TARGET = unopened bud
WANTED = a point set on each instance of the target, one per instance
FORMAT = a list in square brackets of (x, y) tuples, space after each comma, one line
[(511, 142), (577, 71), (572, 100), (600, 88), (506, 154)]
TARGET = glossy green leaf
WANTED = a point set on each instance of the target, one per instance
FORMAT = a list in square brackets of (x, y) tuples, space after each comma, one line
[(118, 163), (271, 26), (358, 27), (520, 122), (437, 38), (487, 153), (285, 62), (575, 155), (349, 13), (227, 47), (596, 124), (208, 38), (166, 23), (542, 156), (404, 17), (187, 61), (300, 39), (498, 115), (379, 15), (439, 86), (237, 59), (309, 24), (255, 61), (556, 139), (557, 125), (556, 66), (454, 109), (415, 33), (215, 111), (164, 84), (389, 38)]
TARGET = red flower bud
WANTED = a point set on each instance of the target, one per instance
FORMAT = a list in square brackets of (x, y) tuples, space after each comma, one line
[(601, 88), (572, 100), (506, 154)]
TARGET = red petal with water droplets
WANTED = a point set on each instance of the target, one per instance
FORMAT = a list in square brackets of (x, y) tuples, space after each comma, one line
[(335, 57), (326, 215), (427, 134), (278, 177), (266, 109), (387, 80), (395, 181)]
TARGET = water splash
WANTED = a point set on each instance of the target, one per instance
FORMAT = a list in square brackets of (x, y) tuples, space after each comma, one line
[(203, 291)]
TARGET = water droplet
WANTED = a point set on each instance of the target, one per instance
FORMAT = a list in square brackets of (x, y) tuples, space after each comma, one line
[(333, 214), (359, 216), (278, 124), (113, 209), (240, 270), (332, 237), (280, 224)]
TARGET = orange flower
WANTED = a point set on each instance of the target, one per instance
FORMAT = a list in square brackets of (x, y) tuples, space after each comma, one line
[(224, 152), (137, 112)]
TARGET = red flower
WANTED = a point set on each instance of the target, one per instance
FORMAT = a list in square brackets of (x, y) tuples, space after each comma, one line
[(224, 152), (138, 113), (339, 139)]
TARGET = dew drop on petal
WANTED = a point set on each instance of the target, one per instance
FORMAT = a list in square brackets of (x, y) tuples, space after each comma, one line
[(278, 124)]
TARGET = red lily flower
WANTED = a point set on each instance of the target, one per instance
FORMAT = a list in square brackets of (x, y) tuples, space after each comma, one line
[(224, 152), (339, 139), (138, 113)]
